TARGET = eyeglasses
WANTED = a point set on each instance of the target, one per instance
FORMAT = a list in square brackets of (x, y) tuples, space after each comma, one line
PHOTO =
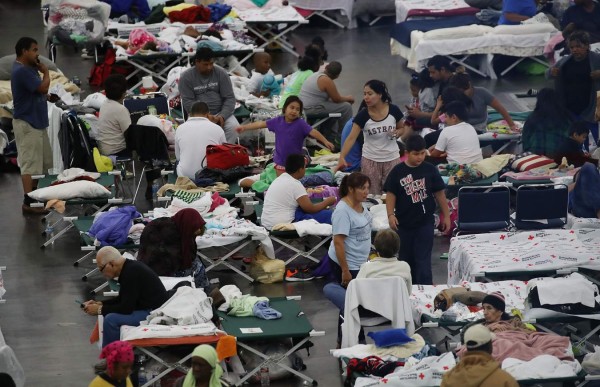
[(103, 266)]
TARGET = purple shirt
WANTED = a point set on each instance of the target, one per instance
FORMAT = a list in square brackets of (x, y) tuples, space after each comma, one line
[(289, 137)]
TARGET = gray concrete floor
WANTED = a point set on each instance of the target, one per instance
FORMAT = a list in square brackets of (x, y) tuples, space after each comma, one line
[(42, 322)]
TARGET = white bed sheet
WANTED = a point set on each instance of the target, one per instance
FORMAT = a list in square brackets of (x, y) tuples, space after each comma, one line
[(273, 14), (522, 251), (167, 331), (345, 6), (574, 222), (403, 7)]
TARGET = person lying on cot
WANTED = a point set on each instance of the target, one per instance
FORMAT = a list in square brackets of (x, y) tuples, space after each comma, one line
[(287, 201), (495, 317)]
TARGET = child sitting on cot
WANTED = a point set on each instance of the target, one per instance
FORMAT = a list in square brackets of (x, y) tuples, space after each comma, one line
[(423, 103), (290, 132), (262, 67)]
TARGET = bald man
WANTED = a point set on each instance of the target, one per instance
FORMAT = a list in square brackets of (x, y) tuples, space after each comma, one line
[(262, 66), (140, 291)]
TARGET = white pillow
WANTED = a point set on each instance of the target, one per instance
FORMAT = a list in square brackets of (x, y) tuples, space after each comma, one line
[(94, 100), (524, 29), (74, 189), (471, 31)]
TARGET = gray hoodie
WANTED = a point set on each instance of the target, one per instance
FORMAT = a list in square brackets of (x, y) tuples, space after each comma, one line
[(215, 89)]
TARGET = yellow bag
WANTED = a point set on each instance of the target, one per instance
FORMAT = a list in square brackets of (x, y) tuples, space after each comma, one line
[(103, 163), (266, 270)]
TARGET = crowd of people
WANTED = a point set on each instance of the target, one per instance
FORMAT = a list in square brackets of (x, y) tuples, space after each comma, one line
[(384, 149)]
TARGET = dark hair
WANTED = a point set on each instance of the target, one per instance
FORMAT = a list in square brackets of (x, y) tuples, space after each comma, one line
[(334, 69), (115, 86), (387, 243), (579, 128), (414, 80), (548, 107), (425, 80), (314, 51), (438, 62), (6, 380), (204, 54), (317, 40), (289, 100), (414, 143), (354, 180), (460, 80), (380, 88), (24, 43), (307, 62), (199, 109), (452, 93), (294, 162), (580, 37), (458, 109)]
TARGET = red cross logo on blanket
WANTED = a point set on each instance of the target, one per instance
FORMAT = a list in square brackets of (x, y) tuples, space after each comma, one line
[(572, 232), (428, 306), (145, 329), (421, 376), (502, 236), (553, 256), (530, 237), (446, 368), (495, 135), (384, 381), (531, 264), (516, 259)]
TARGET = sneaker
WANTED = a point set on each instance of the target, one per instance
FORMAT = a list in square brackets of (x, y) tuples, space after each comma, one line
[(295, 275)]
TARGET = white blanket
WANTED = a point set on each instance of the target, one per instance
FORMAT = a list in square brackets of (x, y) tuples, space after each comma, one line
[(270, 14), (188, 306), (167, 331), (541, 367), (403, 7), (572, 289), (380, 218), (522, 251), (428, 372), (312, 227), (574, 222)]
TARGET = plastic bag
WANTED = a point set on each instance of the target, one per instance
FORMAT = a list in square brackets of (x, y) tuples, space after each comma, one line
[(457, 312), (591, 362)]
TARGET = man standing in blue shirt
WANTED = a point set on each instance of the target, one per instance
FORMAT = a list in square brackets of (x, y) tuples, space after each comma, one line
[(30, 117)]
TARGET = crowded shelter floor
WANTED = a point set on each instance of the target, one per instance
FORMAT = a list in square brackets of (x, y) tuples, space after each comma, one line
[(40, 320)]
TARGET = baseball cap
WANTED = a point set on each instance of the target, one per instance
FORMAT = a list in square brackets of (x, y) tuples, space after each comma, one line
[(477, 335)]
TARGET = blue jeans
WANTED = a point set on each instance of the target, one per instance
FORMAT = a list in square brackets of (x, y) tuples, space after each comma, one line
[(415, 249), (114, 321), (323, 216)]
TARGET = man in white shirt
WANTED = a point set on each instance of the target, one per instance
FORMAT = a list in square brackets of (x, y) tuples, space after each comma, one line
[(192, 138), (458, 141), (287, 201)]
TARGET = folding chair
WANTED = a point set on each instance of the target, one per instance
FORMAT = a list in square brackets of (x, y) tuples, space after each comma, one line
[(138, 105), (283, 238), (483, 209), (541, 206), (394, 307), (292, 324)]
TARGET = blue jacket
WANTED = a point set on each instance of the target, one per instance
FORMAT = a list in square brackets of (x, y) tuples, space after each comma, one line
[(122, 7), (112, 227)]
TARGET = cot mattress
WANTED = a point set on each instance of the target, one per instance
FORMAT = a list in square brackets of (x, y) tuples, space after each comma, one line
[(574, 222), (149, 335), (432, 8), (522, 252), (281, 14)]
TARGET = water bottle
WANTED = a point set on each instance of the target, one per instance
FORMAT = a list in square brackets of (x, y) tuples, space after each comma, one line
[(77, 95), (142, 377), (49, 231), (155, 188), (264, 376)]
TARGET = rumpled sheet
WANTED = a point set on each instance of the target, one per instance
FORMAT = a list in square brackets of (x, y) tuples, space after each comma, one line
[(432, 8), (168, 331), (522, 251), (527, 346), (541, 367), (392, 353), (574, 222)]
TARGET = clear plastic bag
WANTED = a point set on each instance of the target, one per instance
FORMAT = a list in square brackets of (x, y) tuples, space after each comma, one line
[(591, 362), (457, 312)]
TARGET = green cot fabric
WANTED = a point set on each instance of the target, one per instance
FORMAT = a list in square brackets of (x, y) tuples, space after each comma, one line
[(269, 175), (293, 323)]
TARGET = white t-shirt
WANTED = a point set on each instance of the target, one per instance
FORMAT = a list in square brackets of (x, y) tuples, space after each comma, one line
[(256, 81), (191, 140), (461, 143), (386, 267), (281, 201), (114, 120), (379, 144)]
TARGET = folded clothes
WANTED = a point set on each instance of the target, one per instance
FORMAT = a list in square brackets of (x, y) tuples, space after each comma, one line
[(263, 310)]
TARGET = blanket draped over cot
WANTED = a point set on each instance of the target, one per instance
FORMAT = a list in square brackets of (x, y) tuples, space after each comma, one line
[(522, 251)]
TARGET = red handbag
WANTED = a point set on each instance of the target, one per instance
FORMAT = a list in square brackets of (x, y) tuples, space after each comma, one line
[(226, 156)]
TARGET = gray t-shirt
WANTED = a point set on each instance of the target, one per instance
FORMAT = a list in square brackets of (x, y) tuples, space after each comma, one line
[(214, 89), (310, 94), (357, 229), (114, 121), (482, 98)]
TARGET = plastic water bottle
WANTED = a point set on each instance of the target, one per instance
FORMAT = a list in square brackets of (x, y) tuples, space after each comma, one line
[(142, 379), (155, 188), (264, 376), (49, 231), (77, 95)]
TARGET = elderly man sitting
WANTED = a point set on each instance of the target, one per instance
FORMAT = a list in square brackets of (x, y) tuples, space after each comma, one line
[(140, 292)]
